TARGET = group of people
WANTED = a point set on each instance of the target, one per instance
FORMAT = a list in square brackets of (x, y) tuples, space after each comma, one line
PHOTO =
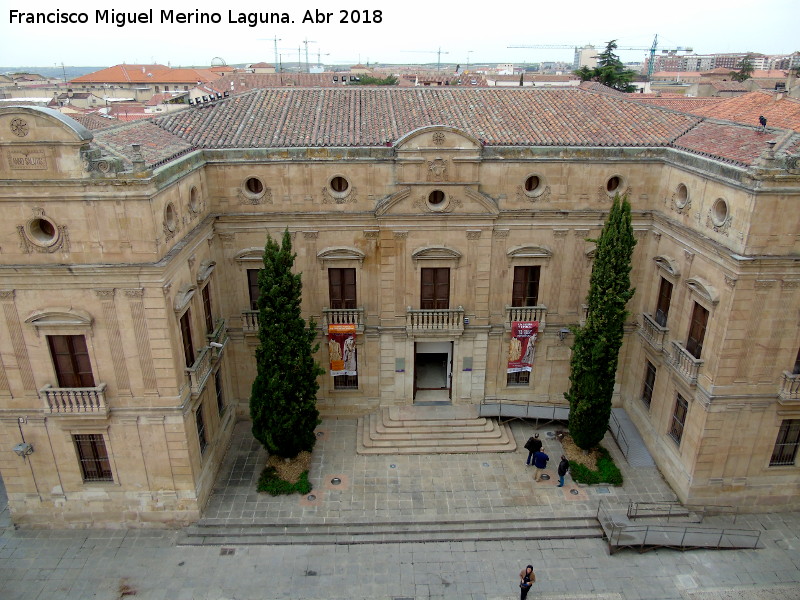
[(539, 459)]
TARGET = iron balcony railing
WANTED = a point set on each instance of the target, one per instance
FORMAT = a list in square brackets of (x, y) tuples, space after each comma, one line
[(207, 358), (424, 320), (75, 400), (652, 331), (685, 364)]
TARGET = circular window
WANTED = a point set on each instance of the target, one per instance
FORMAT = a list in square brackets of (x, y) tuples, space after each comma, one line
[(254, 186), (532, 183), (719, 212), (43, 231), (194, 201), (613, 184), (436, 197), (681, 196), (339, 184), (170, 218)]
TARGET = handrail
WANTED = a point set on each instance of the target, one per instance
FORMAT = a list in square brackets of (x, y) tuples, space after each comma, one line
[(619, 435)]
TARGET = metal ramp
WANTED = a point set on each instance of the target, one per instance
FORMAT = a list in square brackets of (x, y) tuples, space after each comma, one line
[(621, 534), (628, 439)]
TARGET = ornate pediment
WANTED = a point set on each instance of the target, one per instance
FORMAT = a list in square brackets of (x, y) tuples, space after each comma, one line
[(250, 255), (437, 253), (703, 289), (184, 296), (432, 200), (529, 252), (340, 253), (437, 137), (59, 317), (205, 269), (669, 264)]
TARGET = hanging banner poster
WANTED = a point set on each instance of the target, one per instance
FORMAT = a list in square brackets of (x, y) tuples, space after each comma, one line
[(521, 347), (342, 349)]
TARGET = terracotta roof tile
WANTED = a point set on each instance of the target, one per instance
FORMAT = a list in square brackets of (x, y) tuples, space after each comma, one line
[(728, 141), (157, 145), (122, 74)]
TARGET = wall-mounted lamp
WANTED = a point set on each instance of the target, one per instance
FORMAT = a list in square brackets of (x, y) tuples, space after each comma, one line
[(23, 449), (216, 345), (562, 333)]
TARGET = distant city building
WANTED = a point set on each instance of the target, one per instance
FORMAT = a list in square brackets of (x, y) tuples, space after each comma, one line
[(585, 57)]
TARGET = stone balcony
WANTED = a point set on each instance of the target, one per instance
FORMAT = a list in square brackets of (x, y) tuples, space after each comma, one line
[(790, 389), (526, 313), (207, 358), (250, 321), (71, 401), (446, 321), (653, 332), (686, 365), (343, 316)]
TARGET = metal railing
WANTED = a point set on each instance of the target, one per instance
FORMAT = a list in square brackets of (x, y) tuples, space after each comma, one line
[(615, 427), (75, 400), (666, 509), (447, 319), (790, 386), (652, 331), (685, 364)]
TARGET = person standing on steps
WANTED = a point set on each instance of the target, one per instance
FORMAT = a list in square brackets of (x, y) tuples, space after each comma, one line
[(533, 445), (526, 579), (563, 467), (540, 462)]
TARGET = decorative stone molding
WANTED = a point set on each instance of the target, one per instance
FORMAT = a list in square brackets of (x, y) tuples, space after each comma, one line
[(539, 196), (205, 269), (437, 169), (527, 252), (688, 256), (227, 239), (765, 283), (790, 284), (581, 233), (442, 253), (372, 234), (42, 234), (722, 227), (501, 233), (105, 294), (184, 296), (668, 264), (19, 127), (134, 293), (703, 289), (450, 203), (657, 236), (473, 234), (730, 281), (560, 233), (7, 294), (265, 197), (191, 260), (166, 288), (60, 318), (349, 196), (438, 138), (340, 253), (311, 235), (400, 235), (640, 234)]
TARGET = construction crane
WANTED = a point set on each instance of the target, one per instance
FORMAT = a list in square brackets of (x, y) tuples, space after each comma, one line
[(438, 54), (651, 49)]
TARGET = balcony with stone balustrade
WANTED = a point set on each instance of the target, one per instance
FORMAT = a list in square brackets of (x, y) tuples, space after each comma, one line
[(443, 321), (75, 401)]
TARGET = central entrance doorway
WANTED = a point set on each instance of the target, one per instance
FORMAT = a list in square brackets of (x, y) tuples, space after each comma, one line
[(433, 371)]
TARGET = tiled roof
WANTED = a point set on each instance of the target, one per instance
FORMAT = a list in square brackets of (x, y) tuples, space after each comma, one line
[(122, 74), (93, 122), (244, 82), (157, 145), (373, 116), (192, 76), (730, 86), (677, 102)]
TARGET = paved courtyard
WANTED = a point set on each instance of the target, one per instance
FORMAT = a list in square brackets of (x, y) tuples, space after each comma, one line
[(112, 564)]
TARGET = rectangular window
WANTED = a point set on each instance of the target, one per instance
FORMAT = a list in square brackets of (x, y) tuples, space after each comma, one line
[(664, 298), (697, 330), (435, 292), (186, 336), (796, 370), (252, 287), (93, 457), (201, 428), (649, 383), (525, 291), (71, 360), (342, 288), (521, 378), (786, 445), (220, 392), (678, 419), (206, 294)]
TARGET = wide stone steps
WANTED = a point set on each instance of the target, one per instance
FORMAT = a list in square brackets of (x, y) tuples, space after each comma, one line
[(431, 430), (271, 534)]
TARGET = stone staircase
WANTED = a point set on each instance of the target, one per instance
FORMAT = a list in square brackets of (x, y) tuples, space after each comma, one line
[(431, 430), (209, 533)]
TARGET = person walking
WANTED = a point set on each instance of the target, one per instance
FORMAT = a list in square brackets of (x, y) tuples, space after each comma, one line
[(533, 445), (563, 467), (526, 579), (540, 462)]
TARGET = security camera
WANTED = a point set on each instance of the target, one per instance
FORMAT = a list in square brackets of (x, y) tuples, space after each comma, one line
[(23, 449), (216, 345)]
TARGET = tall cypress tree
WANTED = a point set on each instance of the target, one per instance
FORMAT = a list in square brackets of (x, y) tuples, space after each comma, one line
[(595, 353), (284, 395)]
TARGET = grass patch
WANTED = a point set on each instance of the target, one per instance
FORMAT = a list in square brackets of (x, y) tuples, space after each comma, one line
[(271, 483), (606, 472)]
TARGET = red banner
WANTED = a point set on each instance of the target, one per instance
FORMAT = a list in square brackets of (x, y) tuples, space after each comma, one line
[(521, 347), (342, 349)]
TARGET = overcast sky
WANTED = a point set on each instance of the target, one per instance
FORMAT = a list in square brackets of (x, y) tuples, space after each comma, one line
[(409, 31)]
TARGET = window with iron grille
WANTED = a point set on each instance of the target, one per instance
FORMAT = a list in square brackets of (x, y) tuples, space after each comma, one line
[(93, 457), (345, 382), (649, 383), (678, 419), (519, 378), (786, 445), (219, 391), (525, 289), (201, 428)]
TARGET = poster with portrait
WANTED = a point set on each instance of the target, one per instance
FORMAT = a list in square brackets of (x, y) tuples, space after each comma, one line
[(342, 349), (522, 345)]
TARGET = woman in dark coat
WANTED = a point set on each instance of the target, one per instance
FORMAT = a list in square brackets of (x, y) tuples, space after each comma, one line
[(526, 580)]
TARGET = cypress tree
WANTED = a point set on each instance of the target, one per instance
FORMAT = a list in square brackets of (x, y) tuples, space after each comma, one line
[(595, 353), (284, 394)]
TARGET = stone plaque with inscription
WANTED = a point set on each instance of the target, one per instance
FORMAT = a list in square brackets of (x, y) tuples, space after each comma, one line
[(34, 159)]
